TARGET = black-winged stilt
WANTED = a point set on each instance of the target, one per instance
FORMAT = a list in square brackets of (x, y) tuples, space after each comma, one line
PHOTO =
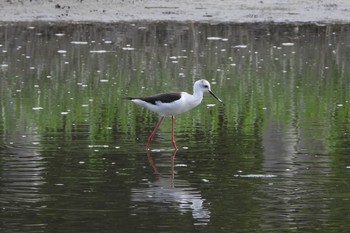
[(170, 104)]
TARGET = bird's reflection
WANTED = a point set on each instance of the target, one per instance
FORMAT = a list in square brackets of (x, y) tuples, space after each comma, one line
[(154, 167), (172, 193)]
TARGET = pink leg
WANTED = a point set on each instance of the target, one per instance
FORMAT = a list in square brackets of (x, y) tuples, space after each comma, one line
[(172, 132), (154, 132)]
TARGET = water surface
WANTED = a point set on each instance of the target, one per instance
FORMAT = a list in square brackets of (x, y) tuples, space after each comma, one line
[(274, 158)]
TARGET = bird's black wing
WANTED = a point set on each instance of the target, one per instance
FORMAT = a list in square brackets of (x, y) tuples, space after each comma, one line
[(164, 98)]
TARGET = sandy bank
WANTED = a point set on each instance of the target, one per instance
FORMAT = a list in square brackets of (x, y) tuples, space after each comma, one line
[(279, 11)]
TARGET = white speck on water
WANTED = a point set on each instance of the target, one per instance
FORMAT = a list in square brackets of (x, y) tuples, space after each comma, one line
[(288, 44), (205, 180), (211, 105), (214, 38), (37, 108), (64, 113), (256, 176), (98, 146), (98, 51), (128, 48), (180, 165), (156, 150), (104, 80), (79, 42), (62, 51), (81, 162), (241, 46), (59, 34)]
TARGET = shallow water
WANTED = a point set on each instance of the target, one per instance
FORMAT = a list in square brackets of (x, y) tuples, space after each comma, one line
[(274, 158)]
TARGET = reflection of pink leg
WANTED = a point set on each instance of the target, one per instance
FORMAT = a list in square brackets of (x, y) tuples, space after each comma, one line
[(154, 132), (172, 133), (153, 165), (173, 164)]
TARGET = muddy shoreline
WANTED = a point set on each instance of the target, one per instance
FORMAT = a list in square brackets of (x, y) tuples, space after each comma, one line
[(225, 11)]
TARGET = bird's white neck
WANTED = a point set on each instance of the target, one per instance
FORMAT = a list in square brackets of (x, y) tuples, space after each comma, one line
[(197, 96)]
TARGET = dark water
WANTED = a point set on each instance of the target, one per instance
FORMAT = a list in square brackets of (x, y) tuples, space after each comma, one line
[(274, 158)]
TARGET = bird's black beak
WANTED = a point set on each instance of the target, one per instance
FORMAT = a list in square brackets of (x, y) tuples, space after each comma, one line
[(215, 96)]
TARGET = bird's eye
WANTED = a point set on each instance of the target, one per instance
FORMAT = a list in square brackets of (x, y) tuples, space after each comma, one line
[(206, 86)]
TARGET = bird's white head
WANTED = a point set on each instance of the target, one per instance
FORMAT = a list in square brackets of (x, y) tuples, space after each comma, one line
[(203, 86)]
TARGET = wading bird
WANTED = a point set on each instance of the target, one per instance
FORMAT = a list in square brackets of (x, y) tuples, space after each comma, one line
[(171, 104)]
